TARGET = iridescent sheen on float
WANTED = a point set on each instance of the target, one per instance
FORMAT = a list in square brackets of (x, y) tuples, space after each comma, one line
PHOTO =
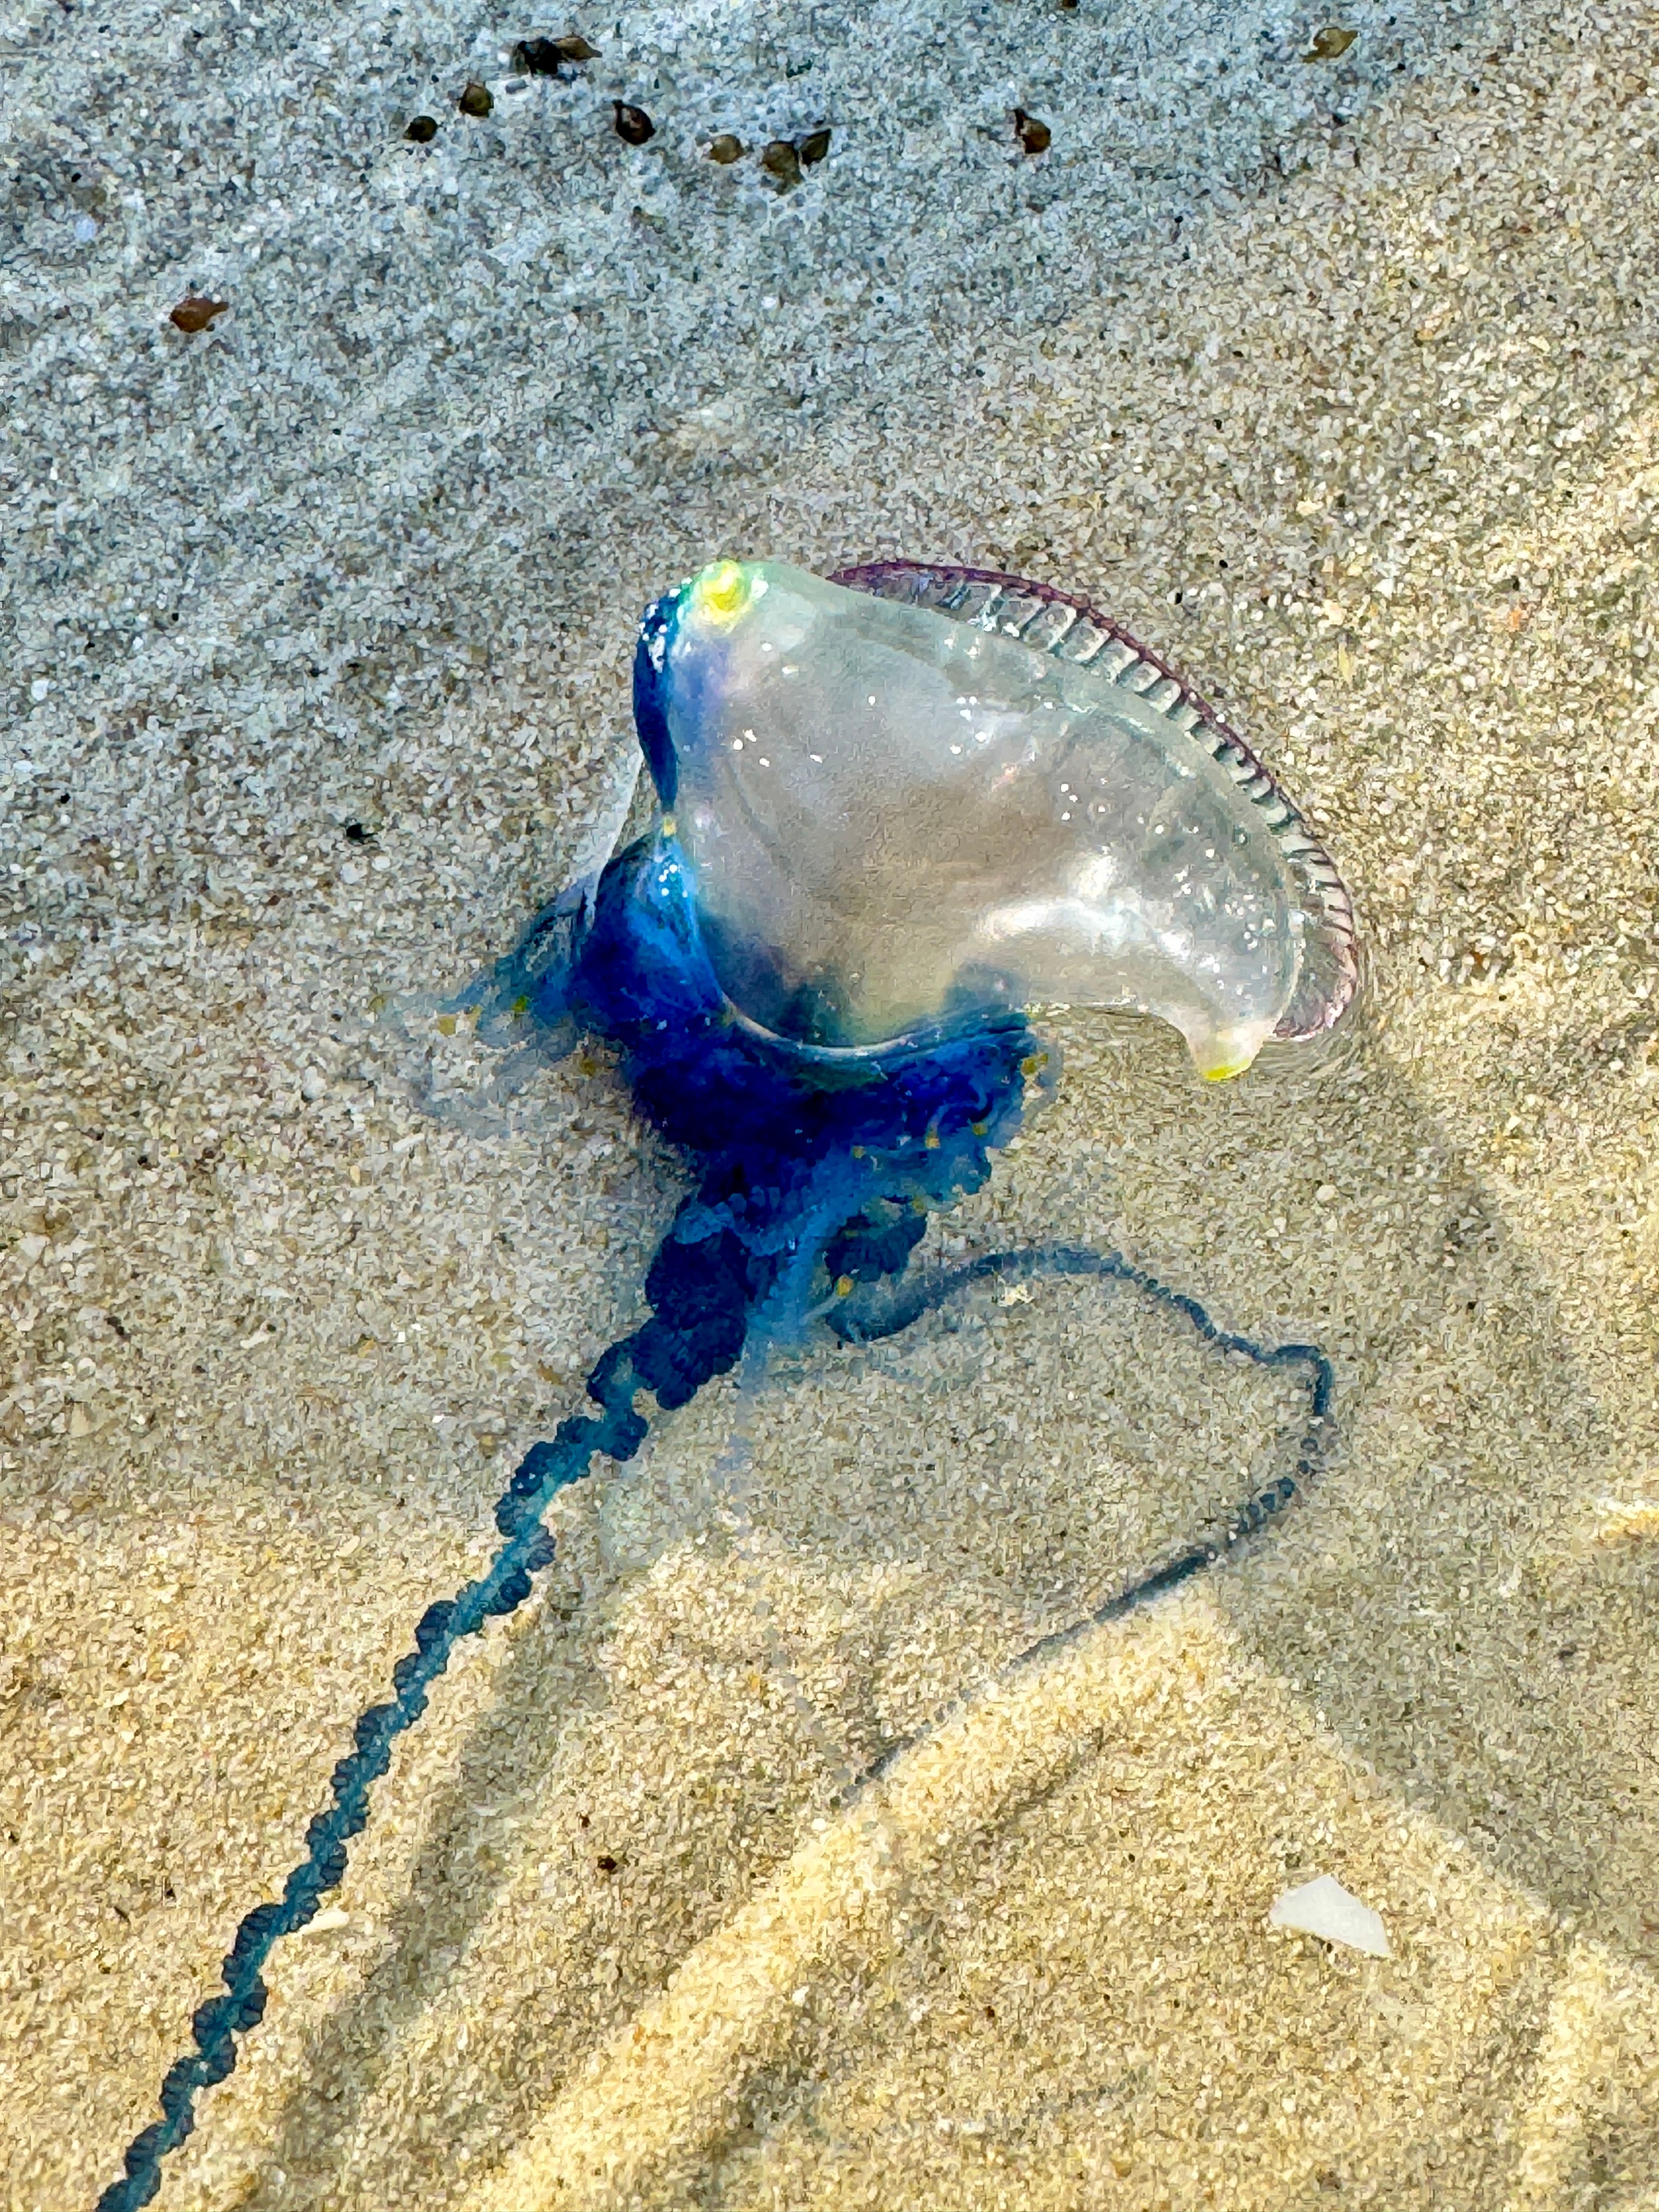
[(917, 797)]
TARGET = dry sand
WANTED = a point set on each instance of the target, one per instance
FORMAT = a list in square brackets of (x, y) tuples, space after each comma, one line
[(1368, 442)]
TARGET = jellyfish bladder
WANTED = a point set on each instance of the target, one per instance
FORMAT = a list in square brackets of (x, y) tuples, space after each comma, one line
[(921, 796)]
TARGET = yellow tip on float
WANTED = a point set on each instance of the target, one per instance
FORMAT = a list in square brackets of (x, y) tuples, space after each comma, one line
[(1224, 1074), (721, 593)]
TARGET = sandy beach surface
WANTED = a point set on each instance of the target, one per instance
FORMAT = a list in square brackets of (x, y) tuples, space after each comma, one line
[(1329, 369)]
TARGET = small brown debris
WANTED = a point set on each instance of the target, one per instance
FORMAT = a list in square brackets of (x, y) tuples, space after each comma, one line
[(1068, 7), (1034, 137), (547, 57), (780, 161), (605, 1864), (1330, 44), (726, 148), (476, 100), (633, 123), (814, 146), (423, 130), (194, 313)]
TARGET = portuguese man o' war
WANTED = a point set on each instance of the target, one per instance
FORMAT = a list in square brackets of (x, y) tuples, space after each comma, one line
[(901, 810)]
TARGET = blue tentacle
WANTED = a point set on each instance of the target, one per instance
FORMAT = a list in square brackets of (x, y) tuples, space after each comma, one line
[(867, 1321), (546, 1468)]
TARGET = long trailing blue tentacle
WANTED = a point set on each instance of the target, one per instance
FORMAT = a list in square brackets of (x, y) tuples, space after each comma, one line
[(503, 1587), (702, 1290)]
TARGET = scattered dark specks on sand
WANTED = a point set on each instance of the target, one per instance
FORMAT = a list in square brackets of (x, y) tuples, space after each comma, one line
[(779, 160), (1330, 44), (632, 123), (423, 130), (726, 148), (1035, 136), (814, 146), (194, 313), (547, 57), (476, 100)]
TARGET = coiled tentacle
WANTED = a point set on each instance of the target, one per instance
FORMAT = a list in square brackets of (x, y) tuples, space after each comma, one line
[(617, 1432)]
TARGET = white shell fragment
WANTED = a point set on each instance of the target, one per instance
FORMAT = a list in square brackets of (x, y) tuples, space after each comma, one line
[(1323, 1907), (901, 811)]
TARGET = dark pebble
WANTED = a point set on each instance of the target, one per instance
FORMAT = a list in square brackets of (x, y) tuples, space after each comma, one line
[(814, 146), (356, 833), (605, 1864), (422, 130), (1035, 137), (1330, 44), (633, 123), (726, 149), (476, 100), (547, 57), (194, 313), (779, 160)]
